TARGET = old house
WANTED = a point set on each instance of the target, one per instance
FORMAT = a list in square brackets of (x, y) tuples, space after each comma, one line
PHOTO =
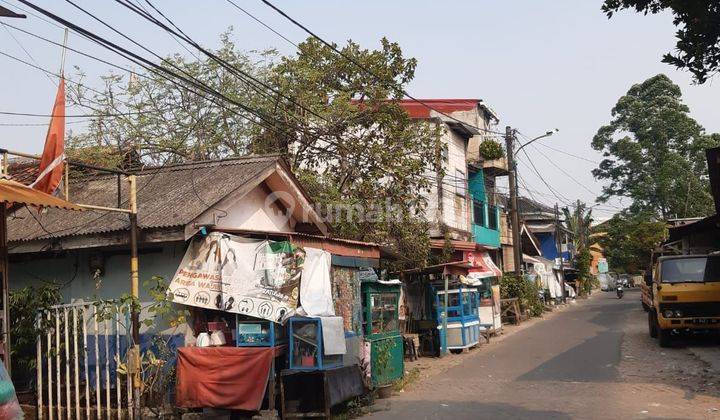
[(88, 254), (463, 204)]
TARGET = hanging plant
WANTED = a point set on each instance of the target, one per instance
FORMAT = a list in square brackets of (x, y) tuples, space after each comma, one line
[(491, 150)]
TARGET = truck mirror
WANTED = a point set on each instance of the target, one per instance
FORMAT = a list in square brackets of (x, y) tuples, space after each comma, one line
[(648, 279)]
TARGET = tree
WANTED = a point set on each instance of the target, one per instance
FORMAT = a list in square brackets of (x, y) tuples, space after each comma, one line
[(369, 155), (346, 137), (578, 221), (698, 36), (629, 239), (144, 118), (654, 153)]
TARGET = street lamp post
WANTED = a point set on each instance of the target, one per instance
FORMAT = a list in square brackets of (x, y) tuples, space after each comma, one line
[(514, 214)]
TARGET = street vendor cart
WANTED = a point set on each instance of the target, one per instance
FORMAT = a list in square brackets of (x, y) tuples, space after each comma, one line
[(382, 330)]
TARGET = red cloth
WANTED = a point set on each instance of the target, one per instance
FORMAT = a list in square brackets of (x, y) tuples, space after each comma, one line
[(223, 377), (51, 168)]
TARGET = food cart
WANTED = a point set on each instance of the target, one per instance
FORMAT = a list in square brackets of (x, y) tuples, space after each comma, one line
[(382, 330), (463, 323)]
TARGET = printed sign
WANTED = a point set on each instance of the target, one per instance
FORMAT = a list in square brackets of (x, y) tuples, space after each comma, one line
[(481, 265), (233, 274)]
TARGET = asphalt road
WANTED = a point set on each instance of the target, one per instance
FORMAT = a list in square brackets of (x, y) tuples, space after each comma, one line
[(568, 366)]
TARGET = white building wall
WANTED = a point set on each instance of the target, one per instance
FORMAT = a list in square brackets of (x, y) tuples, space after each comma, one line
[(257, 211), (455, 185), (454, 205)]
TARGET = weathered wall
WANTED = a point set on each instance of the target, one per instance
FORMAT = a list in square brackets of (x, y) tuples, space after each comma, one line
[(72, 270), (346, 293), (455, 201)]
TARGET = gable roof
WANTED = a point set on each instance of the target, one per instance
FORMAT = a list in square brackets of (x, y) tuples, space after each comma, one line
[(169, 196)]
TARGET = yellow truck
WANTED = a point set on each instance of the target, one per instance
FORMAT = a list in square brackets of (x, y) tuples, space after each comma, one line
[(685, 296)]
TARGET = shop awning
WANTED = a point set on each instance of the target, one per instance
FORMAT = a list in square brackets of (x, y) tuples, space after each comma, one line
[(480, 265), (459, 245), (12, 192), (529, 259)]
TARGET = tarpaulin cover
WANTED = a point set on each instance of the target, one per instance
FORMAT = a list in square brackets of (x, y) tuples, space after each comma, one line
[(223, 377), (245, 276), (482, 265)]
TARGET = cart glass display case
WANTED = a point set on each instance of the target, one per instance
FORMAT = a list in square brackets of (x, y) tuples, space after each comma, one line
[(463, 323), (254, 332), (382, 329), (306, 346)]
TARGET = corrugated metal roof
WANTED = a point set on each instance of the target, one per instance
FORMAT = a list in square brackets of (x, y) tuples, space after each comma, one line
[(167, 196), (12, 192)]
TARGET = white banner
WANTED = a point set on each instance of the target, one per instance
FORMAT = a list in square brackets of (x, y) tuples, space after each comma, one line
[(233, 274)]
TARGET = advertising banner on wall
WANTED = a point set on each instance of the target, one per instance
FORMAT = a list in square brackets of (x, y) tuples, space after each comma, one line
[(258, 278)]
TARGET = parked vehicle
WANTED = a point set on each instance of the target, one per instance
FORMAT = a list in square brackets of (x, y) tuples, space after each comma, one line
[(685, 296), (646, 298), (624, 280), (607, 281), (619, 291)]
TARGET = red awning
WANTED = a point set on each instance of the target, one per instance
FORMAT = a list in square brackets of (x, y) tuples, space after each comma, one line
[(481, 265)]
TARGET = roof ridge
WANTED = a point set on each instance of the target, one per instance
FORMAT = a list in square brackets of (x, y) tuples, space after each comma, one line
[(228, 160)]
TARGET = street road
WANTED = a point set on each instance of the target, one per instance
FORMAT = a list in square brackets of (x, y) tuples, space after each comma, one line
[(593, 360)]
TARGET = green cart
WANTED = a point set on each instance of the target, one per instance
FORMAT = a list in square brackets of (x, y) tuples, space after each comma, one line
[(382, 330)]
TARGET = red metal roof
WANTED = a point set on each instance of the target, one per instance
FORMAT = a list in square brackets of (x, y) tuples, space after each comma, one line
[(421, 107)]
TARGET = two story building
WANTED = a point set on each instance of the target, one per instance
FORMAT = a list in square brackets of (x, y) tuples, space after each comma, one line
[(463, 205)]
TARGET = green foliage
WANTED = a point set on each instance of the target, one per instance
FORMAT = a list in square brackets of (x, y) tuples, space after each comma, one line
[(362, 150), (25, 304), (629, 240), (527, 292), (579, 221), (698, 36), (165, 123), (491, 150), (342, 131), (654, 153), (159, 314), (583, 261)]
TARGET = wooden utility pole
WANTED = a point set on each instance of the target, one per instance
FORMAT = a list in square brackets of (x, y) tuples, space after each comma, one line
[(134, 354), (514, 217), (558, 245)]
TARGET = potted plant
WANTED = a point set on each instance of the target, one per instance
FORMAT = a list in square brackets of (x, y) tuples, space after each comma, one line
[(491, 150)]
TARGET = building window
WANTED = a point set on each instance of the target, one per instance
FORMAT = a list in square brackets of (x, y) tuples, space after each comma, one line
[(460, 184), (492, 218), (479, 213)]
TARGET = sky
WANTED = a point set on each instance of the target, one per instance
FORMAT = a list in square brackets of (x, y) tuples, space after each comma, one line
[(541, 65)]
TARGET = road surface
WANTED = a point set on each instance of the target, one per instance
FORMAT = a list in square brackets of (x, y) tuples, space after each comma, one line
[(593, 360)]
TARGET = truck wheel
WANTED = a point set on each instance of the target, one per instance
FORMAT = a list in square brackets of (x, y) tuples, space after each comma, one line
[(652, 324), (665, 338)]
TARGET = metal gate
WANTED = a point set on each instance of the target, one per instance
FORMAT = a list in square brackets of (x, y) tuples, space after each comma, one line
[(77, 359)]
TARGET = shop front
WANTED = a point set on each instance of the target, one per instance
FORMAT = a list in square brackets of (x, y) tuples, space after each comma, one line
[(273, 318)]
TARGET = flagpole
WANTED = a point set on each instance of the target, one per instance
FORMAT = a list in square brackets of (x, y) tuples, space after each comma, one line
[(64, 53), (66, 189)]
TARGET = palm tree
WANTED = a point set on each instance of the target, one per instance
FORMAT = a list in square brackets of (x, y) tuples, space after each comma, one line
[(578, 221)]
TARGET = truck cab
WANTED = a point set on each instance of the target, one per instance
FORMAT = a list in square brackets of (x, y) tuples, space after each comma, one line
[(685, 296)]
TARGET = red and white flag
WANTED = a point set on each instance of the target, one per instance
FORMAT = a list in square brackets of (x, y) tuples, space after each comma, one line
[(51, 163)]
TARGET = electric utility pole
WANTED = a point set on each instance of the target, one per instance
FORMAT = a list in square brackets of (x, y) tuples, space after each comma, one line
[(514, 218)]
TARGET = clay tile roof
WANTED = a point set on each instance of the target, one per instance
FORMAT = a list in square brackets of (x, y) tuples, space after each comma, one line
[(168, 196)]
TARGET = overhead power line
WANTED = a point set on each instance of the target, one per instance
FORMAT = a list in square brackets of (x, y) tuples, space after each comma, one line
[(568, 154), (372, 74), (268, 27)]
